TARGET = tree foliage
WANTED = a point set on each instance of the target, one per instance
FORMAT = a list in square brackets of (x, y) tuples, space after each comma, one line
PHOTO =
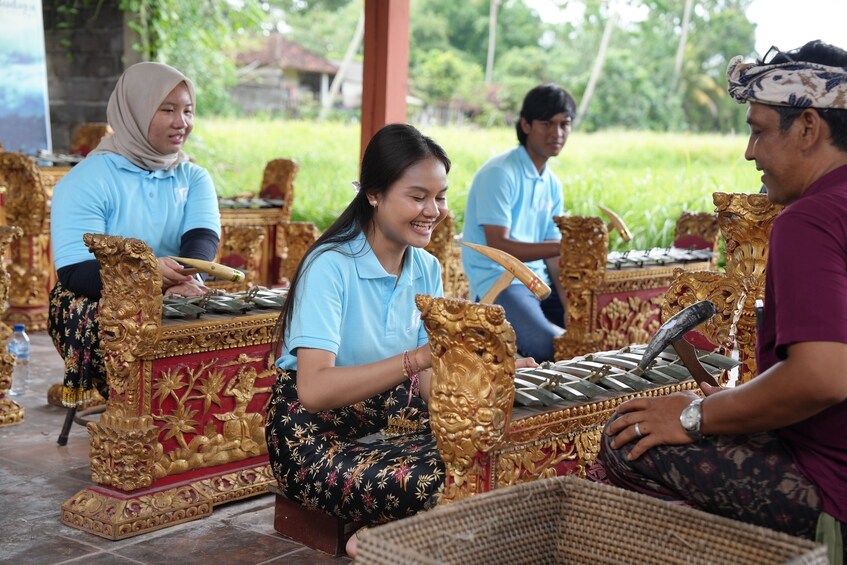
[(449, 44), (635, 88), (198, 38), (325, 28)]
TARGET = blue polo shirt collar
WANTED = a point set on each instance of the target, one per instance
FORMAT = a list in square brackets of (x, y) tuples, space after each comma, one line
[(123, 163), (369, 267), (527, 166)]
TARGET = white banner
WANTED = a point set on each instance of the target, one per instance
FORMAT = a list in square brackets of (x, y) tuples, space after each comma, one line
[(24, 104)]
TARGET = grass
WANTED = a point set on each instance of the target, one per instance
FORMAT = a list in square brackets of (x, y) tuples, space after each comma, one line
[(647, 178)]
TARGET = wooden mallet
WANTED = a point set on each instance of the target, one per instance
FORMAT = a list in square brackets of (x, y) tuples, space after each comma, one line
[(514, 269), (616, 223), (221, 272)]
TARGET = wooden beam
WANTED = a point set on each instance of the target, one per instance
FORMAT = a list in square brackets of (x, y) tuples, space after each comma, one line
[(385, 73)]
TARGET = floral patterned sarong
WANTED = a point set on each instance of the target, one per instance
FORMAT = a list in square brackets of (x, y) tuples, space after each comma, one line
[(73, 326), (327, 461)]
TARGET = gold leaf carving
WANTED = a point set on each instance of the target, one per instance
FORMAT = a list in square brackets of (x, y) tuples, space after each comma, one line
[(745, 221), (239, 433), (116, 516), (278, 182), (481, 441), (443, 246), (634, 320), (241, 248), (608, 309), (87, 136), (293, 241), (31, 269), (472, 383), (10, 411)]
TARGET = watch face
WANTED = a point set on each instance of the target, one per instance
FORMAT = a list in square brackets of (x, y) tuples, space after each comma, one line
[(690, 417)]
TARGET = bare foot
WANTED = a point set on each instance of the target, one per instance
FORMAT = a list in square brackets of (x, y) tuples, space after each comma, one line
[(350, 548)]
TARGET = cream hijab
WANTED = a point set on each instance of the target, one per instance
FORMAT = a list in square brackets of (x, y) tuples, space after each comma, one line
[(132, 105)]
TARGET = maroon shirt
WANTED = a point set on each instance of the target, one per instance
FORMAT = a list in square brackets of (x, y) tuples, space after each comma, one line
[(806, 300)]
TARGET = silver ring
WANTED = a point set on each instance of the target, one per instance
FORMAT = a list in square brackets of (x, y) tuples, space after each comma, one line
[(638, 430)]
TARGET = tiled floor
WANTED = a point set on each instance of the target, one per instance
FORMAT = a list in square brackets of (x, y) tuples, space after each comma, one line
[(37, 476)]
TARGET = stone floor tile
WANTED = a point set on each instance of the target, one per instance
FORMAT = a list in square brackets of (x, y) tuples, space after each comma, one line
[(306, 556), (209, 538), (41, 549), (37, 476), (102, 558)]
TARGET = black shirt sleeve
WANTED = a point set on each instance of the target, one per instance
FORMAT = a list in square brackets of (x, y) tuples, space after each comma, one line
[(84, 278), (199, 243)]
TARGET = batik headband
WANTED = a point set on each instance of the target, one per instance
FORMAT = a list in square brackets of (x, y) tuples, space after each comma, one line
[(795, 84)]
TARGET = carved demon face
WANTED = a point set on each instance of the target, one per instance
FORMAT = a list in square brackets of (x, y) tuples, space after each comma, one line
[(463, 416)]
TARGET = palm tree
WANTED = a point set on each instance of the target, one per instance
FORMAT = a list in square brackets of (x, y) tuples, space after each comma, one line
[(683, 39), (492, 34), (597, 67), (352, 49)]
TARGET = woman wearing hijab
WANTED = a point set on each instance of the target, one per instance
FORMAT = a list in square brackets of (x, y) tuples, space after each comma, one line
[(136, 183)]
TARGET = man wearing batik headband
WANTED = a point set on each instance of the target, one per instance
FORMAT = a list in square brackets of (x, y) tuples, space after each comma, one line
[(772, 451)]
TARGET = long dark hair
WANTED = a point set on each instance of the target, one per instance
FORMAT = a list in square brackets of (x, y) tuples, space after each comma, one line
[(390, 152)]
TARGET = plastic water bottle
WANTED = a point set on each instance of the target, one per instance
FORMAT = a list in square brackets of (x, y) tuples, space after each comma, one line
[(19, 347)]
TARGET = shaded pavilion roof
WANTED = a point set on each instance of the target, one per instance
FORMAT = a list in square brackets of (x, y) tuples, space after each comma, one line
[(276, 51)]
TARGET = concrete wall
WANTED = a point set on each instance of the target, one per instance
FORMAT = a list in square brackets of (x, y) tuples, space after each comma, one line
[(265, 90), (83, 64)]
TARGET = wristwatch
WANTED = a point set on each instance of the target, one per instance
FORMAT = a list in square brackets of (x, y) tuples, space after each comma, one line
[(691, 418)]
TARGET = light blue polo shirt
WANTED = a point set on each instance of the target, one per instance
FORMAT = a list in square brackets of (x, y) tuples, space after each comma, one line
[(351, 306), (108, 194), (508, 191)]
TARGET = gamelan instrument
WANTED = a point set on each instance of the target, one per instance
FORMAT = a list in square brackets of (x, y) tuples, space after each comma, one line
[(668, 359), (233, 303), (496, 426), (183, 429), (614, 298)]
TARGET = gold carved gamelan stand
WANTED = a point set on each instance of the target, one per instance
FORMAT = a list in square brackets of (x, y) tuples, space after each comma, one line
[(697, 230), (87, 136), (444, 247), (183, 428), (745, 221), (283, 244), (484, 441), (31, 269), (241, 249), (10, 411), (611, 308)]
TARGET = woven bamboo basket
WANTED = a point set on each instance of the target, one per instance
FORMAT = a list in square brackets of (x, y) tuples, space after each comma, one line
[(571, 520)]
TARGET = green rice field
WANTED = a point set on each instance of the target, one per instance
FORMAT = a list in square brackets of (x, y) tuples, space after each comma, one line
[(647, 178)]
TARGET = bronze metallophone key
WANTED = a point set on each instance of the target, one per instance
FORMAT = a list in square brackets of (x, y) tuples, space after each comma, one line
[(656, 257), (606, 374), (234, 303)]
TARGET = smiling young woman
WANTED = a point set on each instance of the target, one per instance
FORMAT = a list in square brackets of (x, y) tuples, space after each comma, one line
[(354, 357)]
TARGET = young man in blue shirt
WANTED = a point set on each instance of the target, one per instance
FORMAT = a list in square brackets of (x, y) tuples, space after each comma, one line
[(511, 205)]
